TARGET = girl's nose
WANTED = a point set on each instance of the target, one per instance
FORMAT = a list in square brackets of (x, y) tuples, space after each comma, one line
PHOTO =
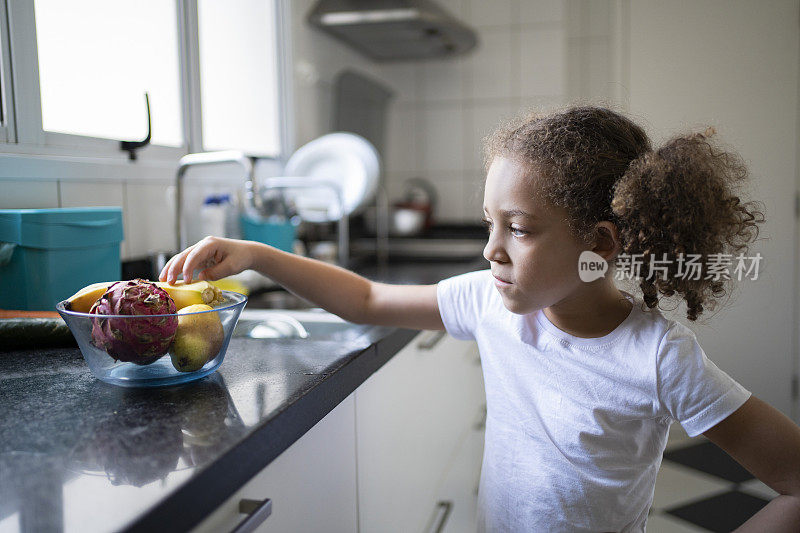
[(493, 251)]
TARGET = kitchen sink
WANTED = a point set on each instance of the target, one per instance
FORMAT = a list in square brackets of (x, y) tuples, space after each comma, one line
[(313, 324)]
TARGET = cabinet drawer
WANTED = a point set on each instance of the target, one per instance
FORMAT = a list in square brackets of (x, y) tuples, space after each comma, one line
[(312, 485), (457, 494), (410, 416)]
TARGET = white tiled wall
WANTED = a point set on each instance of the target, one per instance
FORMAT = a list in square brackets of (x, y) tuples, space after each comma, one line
[(520, 61), (531, 54), (28, 194)]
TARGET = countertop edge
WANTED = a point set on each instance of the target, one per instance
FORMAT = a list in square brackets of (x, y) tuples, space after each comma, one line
[(241, 463)]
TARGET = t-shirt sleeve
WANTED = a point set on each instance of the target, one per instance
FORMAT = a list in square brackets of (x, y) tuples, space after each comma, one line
[(691, 388), (459, 299)]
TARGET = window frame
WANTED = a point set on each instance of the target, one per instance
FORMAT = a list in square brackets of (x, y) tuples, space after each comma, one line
[(25, 136), (7, 125)]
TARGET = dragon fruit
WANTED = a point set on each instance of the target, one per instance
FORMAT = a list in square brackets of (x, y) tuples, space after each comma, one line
[(135, 340)]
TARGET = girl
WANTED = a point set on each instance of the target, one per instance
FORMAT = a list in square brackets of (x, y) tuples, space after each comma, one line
[(582, 379)]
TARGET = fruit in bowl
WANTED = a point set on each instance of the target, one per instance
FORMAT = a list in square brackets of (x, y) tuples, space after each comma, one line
[(198, 338), (184, 294), (136, 341), (126, 329)]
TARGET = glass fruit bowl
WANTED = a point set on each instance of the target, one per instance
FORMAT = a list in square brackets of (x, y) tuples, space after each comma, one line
[(196, 349)]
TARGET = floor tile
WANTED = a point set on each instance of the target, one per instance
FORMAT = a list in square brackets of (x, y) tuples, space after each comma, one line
[(678, 438), (722, 512), (660, 523), (677, 484), (757, 488), (708, 457)]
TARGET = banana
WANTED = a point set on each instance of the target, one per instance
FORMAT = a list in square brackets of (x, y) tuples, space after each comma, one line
[(83, 300), (199, 292)]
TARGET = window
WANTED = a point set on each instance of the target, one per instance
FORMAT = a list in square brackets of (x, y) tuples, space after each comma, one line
[(238, 73), (73, 74), (96, 61), (6, 126)]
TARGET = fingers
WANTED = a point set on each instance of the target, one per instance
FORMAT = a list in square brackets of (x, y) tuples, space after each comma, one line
[(215, 272), (212, 256), (199, 255), (170, 271), (186, 261)]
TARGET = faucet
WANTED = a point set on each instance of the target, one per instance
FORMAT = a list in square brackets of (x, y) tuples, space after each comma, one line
[(252, 197), (211, 158)]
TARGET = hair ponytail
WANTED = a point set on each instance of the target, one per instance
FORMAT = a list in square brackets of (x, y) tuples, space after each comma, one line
[(683, 199)]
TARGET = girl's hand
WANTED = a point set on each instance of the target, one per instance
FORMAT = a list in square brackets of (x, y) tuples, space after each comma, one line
[(215, 257)]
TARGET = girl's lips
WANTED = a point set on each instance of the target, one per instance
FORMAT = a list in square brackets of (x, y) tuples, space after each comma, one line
[(501, 282)]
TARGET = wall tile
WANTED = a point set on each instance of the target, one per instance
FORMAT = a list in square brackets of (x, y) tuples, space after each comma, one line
[(149, 218), (484, 13), (95, 193), (539, 11), (472, 199), (598, 68), (489, 68), (401, 78), (313, 112), (599, 18), (457, 8), (442, 80), (542, 60), (394, 183), (449, 187), (485, 117), (441, 138), (28, 194), (538, 104), (401, 138)]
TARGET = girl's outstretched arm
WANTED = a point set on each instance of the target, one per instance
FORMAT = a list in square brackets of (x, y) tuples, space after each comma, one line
[(767, 443), (335, 289)]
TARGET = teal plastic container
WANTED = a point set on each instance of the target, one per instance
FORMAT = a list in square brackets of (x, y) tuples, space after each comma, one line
[(47, 255), (281, 235)]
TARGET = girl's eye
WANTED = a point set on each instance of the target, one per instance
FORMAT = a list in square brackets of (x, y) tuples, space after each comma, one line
[(516, 232)]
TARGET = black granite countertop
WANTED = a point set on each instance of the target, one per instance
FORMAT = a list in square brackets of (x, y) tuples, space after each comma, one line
[(77, 454)]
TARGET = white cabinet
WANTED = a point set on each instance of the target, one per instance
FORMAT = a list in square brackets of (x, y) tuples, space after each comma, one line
[(312, 485), (457, 494), (411, 437), (412, 416)]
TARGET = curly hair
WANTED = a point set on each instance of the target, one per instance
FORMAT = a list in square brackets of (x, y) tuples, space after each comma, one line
[(679, 200)]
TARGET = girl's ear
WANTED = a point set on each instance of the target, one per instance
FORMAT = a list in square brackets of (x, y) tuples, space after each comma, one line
[(606, 242)]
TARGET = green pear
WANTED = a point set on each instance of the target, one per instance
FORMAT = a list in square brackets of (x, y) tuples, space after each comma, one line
[(198, 339)]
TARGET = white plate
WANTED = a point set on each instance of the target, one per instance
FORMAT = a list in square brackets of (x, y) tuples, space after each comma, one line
[(343, 158)]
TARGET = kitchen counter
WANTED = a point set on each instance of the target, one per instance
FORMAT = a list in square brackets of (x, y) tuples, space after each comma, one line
[(77, 454)]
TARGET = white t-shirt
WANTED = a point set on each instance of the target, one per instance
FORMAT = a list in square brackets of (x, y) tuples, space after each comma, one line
[(576, 427)]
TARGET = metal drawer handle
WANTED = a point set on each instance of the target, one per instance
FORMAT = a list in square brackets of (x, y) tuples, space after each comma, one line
[(258, 511), (433, 341), (447, 506)]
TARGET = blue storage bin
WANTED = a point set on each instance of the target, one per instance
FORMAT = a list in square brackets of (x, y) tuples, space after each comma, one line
[(47, 255), (281, 235)]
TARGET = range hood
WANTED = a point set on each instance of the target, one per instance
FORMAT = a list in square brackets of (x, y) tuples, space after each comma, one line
[(392, 30)]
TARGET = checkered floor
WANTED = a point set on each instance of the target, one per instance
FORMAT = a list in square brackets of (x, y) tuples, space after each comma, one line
[(700, 488)]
